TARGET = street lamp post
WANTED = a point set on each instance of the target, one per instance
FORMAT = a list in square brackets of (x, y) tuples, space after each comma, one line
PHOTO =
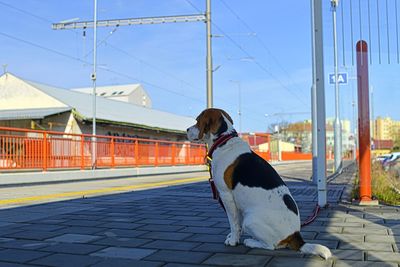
[(337, 123)]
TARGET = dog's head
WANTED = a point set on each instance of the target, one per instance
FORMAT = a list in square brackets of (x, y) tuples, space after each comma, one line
[(211, 123)]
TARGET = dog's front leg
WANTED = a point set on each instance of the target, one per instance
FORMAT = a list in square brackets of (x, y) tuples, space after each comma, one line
[(232, 212)]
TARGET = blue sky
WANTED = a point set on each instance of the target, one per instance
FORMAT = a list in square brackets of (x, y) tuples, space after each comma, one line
[(265, 46)]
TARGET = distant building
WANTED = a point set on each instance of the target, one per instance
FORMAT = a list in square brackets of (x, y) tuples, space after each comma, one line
[(32, 105), (386, 129), (130, 93)]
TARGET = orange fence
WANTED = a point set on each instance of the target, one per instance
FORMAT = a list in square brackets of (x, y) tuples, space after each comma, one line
[(32, 149)]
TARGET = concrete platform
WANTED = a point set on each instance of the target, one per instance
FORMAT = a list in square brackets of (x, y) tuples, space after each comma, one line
[(183, 226)]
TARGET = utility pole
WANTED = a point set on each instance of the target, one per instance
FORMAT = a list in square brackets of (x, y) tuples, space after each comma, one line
[(337, 123), (209, 57), (314, 99), (93, 76), (66, 25), (320, 103)]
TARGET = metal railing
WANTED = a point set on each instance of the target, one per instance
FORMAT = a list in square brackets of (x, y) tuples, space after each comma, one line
[(45, 150)]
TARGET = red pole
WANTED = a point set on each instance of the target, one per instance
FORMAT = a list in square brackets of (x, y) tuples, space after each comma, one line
[(364, 139)]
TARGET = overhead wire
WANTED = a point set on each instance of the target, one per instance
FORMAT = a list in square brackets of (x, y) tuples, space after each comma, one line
[(89, 63), (255, 61)]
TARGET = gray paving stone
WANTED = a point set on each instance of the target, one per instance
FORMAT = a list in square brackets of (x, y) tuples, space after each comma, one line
[(24, 244), (66, 260), (126, 263), (20, 256), (161, 227), (178, 256), (9, 264), (348, 254), (352, 263), (82, 223), (278, 252), (203, 230), (122, 233), (332, 244), (157, 221), (380, 238), (80, 230), (383, 256), (120, 225), (173, 245), (221, 247), (226, 259), (322, 229), (42, 227), (166, 235), (207, 238), (72, 248), (185, 265), (360, 230), (74, 238), (196, 223), (342, 237), (119, 241), (125, 253), (367, 246), (290, 262), (34, 235)]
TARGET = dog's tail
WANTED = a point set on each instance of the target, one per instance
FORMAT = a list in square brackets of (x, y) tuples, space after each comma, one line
[(295, 241)]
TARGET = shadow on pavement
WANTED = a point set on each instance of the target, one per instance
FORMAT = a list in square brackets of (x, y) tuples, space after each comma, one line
[(182, 226)]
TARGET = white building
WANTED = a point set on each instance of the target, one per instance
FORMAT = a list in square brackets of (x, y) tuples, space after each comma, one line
[(27, 104), (130, 93)]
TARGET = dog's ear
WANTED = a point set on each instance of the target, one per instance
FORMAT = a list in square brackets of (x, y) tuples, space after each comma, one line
[(202, 124), (227, 116)]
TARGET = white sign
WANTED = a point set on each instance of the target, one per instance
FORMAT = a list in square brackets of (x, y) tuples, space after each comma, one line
[(342, 78)]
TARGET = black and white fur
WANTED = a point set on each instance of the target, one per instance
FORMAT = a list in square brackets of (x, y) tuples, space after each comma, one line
[(256, 199)]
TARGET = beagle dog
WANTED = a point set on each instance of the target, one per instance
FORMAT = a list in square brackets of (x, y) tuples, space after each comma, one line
[(256, 199)]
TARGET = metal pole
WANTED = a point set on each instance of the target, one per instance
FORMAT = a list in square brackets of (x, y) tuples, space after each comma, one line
[(240, 108), (320, 97), (337, 127), (93, 77), (314, 101), (209, 58), (364, 123)]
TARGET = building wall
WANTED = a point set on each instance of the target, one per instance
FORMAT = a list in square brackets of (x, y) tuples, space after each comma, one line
[(140, 97), (384, 128), (17, 94)]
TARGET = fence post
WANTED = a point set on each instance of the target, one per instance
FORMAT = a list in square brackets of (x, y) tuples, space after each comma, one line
[(156, 155), (82, 152), (112, 151), (44, 152), (136, 153), (187, 154), (173, 151)]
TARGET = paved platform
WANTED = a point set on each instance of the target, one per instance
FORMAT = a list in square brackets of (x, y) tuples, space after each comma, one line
[(183, 226)]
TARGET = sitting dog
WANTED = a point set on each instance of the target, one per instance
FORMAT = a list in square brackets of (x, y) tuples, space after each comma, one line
[(256, 199)]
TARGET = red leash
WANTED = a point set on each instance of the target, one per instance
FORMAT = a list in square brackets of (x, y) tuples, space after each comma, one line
[(221, 140)]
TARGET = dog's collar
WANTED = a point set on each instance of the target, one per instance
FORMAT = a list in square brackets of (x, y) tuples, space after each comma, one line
[(220, 141)]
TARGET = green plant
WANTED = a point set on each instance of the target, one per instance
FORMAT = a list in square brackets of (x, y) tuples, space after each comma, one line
[(384, 184)]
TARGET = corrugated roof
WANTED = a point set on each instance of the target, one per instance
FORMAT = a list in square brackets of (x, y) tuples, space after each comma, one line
[(113, 111), (110, 90), (35, 113)]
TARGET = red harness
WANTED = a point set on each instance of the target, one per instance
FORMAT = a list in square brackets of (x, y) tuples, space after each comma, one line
[(220, 141)]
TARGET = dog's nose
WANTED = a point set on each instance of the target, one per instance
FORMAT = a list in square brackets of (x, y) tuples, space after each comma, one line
[(187, 130)]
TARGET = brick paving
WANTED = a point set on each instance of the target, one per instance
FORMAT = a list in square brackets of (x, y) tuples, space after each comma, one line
[(184, 226)]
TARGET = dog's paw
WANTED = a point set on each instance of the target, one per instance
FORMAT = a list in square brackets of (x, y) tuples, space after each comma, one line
[(232, 240)]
